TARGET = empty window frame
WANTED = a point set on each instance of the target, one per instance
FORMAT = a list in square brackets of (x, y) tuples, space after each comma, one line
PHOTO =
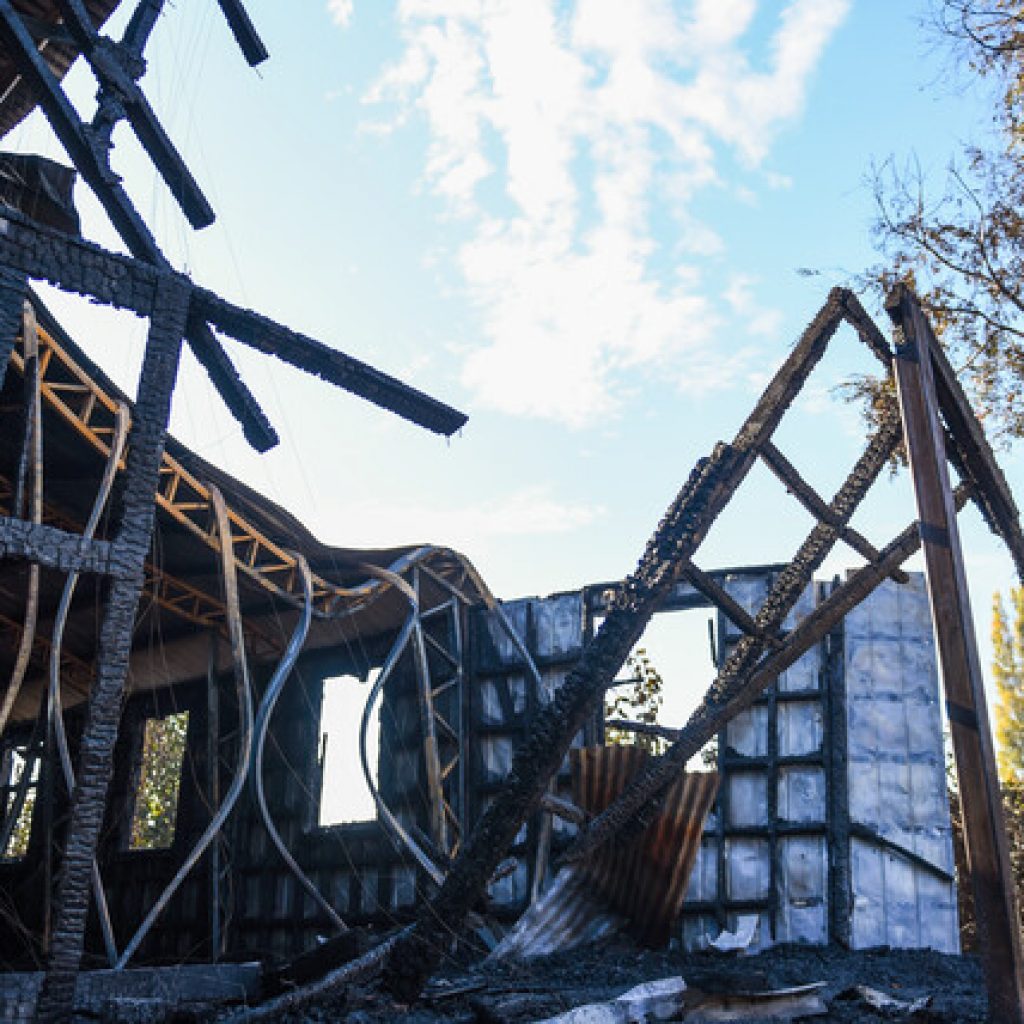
[(161, 756), (344, 795)]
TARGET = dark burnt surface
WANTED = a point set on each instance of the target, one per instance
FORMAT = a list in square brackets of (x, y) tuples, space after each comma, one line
[(534, 990)]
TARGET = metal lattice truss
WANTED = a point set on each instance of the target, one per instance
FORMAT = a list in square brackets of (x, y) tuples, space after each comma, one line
[(934, 420)]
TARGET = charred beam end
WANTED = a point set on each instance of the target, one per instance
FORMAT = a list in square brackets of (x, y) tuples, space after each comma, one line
[(256, 427), (54, 548), (336, 367), (244, 32)]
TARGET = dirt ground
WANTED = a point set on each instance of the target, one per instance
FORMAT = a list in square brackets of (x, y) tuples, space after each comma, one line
[(512, 993)]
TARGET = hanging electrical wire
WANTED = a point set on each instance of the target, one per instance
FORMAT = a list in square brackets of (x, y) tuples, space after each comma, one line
[(266, 709), (391, 823), (55, 713), (244, 691)]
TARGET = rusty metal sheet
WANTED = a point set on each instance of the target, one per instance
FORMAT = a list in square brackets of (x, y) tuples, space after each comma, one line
[(644, 879)]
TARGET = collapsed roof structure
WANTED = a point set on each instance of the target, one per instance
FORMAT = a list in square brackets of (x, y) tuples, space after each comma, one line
[(404, 610)]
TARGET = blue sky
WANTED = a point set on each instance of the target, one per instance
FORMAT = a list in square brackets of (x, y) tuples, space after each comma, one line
[(580, 222)]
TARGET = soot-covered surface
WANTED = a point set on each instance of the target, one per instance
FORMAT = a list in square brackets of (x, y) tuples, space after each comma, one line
[(518, 992)]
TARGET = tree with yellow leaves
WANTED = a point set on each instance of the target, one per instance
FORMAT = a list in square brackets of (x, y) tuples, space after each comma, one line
[(1008, 673)]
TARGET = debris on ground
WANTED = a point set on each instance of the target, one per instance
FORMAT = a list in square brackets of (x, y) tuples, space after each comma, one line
[(542, 988)]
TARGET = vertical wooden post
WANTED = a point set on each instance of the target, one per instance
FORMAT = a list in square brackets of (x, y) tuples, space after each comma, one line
[(981, 801), (96, 753)]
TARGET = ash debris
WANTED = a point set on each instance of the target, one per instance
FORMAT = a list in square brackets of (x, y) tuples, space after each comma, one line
[(530, 991)]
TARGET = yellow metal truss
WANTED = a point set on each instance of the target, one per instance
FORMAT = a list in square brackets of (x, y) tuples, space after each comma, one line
[(70, 392)]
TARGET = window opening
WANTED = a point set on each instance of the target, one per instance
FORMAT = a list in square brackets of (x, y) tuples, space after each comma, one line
[(663, 680), (344, 795), (13, 763), (155, 814)]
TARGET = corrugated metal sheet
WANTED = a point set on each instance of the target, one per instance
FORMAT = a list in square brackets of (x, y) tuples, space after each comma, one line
[(638, 886), (644, 880)]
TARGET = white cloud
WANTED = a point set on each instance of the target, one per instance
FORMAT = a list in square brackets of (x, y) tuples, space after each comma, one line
[(528, 511), (340, 12), (758, 320), (559, 132)]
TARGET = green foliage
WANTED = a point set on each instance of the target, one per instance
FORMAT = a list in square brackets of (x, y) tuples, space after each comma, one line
[(639, 704), (156, 800), (17, 846), (962, 248), (1008, 674)]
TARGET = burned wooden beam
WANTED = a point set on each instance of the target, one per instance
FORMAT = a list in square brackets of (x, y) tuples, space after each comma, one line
[(53, 547), (76, 265), (96, 750), (866, 328), (335, 367), (790, 477), (980, 796), (90, 157), (720, 703), (108, 65), (975, 457), (724, 601), (244, 32)]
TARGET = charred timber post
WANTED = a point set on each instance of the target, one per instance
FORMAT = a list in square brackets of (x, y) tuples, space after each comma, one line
[(734, 681), (95, 758), (707, 491), (13, 288), (981, 801)]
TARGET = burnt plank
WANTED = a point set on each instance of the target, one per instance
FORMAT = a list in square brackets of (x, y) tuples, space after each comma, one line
[(311, 356), (54, 548), (790, 476), (723, 600)]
